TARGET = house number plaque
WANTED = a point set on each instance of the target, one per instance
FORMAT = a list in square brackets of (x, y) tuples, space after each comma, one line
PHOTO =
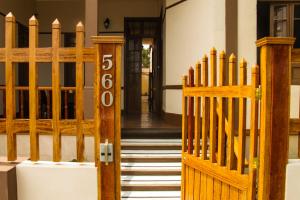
[(107, 98)]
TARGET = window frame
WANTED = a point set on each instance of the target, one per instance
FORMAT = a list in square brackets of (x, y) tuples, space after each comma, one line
[(289, 19)]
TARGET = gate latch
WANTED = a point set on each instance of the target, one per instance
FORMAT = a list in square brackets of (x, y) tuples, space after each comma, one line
[(106, 152)]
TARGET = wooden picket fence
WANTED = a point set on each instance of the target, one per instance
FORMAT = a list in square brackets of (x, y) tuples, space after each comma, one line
[(11, 55), (221, 156), (105, 127), (219, 153)]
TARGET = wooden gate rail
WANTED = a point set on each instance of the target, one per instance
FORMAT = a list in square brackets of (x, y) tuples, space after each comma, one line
[(35, 125)]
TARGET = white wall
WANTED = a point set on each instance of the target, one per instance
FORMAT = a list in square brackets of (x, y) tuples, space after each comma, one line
[(192, 29), (60, 181), (247, 29)]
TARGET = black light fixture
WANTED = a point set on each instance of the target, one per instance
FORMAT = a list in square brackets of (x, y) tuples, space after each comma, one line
[(106, 23)]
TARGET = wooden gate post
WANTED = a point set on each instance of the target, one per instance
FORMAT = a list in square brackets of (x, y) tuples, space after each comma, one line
[(107, 111), (275, 114)]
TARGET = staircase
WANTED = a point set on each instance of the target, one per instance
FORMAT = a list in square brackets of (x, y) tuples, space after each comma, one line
[(151, 168)]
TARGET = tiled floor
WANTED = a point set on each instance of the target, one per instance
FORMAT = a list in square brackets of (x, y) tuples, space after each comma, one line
[(145, 119)]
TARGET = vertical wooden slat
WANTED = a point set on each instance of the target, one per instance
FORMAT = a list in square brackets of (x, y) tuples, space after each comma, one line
[(203, 186), (184, 116), (253, 134), (213, 134), (225, 192), (221, 117), (74, 105), (210, 188), (183, 180), (232, 81), (186, 182), (242, 119), (217, 190), (191, 178), (191, 114), (79, 90), (48, 95), (66, 103), (56, 110), (4, 103), (39, 104), (97, 118), (184, 136), (197, 184), (21, 100), (33, 92), (234, 193), (197, 111), (242, 195), (10, 23), (118, 119), (205, 108)]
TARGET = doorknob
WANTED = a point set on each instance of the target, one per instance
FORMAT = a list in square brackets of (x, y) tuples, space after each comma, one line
[(106, 152)]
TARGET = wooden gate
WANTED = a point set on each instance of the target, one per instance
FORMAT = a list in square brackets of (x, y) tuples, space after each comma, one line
[(104, 128), (220, 136)]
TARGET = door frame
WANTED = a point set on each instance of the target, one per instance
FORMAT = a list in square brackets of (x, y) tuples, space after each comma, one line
[(159, 55)]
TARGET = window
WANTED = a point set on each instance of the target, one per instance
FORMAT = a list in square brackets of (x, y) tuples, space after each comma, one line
[(285, 21)]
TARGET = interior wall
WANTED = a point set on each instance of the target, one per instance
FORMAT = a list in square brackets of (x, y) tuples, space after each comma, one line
[(192, 28)]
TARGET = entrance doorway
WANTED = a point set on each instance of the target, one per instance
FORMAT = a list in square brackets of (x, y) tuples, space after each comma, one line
[(143, 73)]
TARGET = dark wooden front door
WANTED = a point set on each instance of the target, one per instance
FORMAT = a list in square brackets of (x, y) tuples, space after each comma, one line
[(133, 75), (156, 84), (137, 29)]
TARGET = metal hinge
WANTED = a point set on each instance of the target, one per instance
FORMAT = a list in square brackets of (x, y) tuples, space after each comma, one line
[(258, 93), (255, 163)]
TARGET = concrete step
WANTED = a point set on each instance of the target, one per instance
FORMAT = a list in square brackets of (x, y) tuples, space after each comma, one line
[(150, 183), (164, 157), (152, 152), (151, 169), (151, 144)]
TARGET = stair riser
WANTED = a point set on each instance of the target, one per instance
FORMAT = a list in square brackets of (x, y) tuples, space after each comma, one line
[(151, 173), (151, 188), (151, 148), (151, 159)]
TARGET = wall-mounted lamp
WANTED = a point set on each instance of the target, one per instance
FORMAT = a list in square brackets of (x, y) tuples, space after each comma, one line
[(106, 23)]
